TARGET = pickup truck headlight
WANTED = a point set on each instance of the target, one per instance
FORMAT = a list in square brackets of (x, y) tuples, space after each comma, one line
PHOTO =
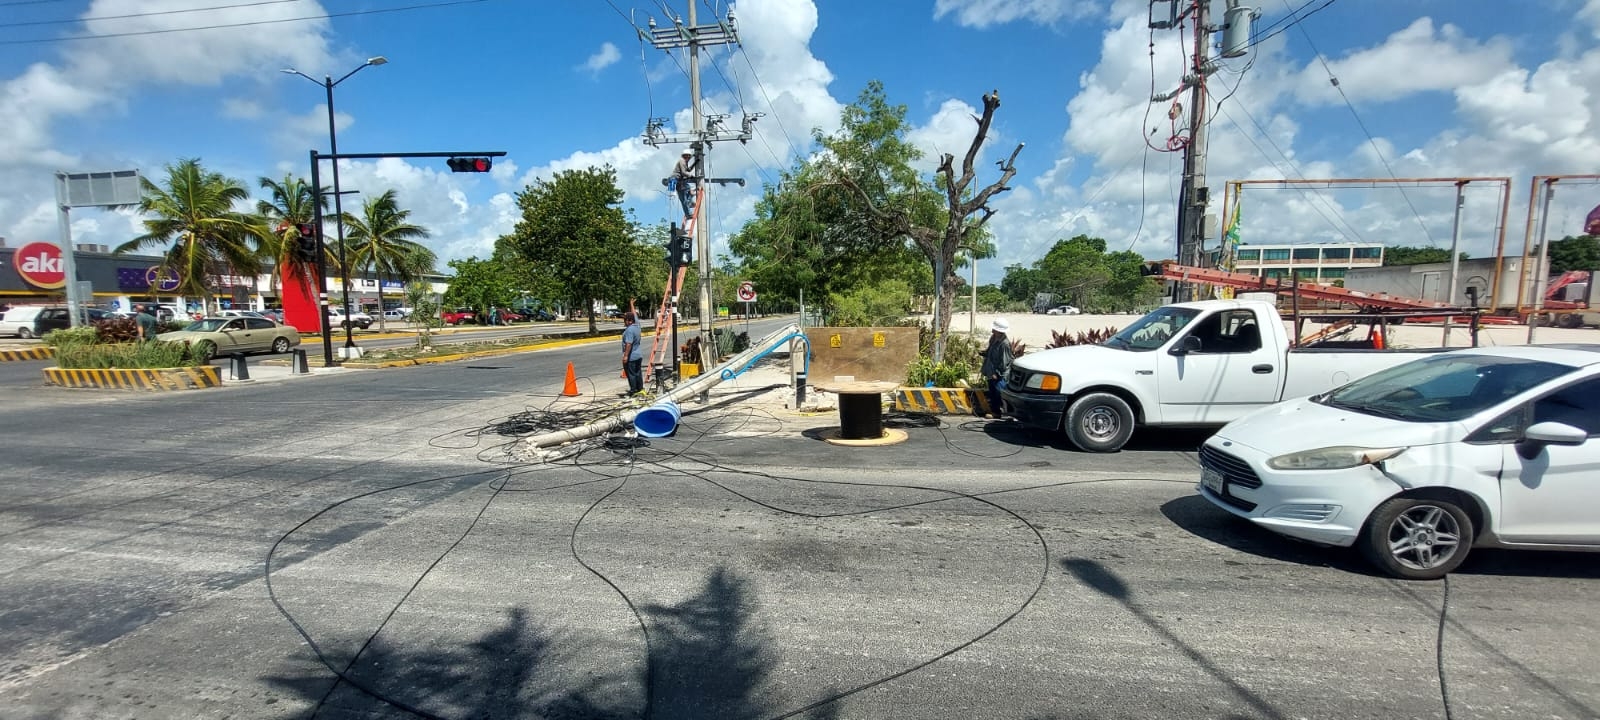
[(1333, 458), (1043, 381)]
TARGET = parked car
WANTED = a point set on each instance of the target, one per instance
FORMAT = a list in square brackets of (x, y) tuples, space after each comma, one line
[(1190, 364), (1063, 310), (1418, 464), (458, 316), (33, 321), (18, 321), (357, 318), (238, 313), (396, 314), (214, 336), (536, 314), (273, 315)]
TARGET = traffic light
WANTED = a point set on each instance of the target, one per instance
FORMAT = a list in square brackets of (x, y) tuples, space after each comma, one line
[(680, 247), (305, 242), (478, 164)]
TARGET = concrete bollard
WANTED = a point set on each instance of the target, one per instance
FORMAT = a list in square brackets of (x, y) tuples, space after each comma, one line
[(239, 367), (297, 362)]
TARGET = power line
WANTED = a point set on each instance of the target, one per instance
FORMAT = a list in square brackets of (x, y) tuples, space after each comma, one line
[(1332, 80), (793, 148), (1295, 169), (26, 2), (252, 23), (1297, 21), (145, 14)]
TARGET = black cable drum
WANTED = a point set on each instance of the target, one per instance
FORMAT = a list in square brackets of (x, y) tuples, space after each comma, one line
[(860, 416)]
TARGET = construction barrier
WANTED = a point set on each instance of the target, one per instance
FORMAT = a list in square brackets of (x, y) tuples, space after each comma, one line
[(942, 401), (187, 378), (43, 352)]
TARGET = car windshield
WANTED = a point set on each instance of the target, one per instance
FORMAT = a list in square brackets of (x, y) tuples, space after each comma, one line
[(206, 325), (1442, 388), (1153, 330)]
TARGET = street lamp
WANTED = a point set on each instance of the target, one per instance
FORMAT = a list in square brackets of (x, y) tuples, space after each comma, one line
[(328, 83)]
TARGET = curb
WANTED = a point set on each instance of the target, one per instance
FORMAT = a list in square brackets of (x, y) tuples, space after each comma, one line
[(942, 401), (186, 378), (408, 362), (43, 352)]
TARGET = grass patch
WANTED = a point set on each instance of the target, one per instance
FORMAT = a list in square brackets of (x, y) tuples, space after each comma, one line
[(461, 348)]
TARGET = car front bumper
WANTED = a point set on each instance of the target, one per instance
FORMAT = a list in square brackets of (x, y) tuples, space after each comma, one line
[(1327, 507), (1038, 410)]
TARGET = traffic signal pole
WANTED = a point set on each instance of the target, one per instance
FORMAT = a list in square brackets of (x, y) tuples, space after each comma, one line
[(322, 254)]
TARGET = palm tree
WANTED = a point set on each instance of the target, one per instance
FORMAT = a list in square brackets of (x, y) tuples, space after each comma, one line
[(293, 203), (193, 220), (383, 243)]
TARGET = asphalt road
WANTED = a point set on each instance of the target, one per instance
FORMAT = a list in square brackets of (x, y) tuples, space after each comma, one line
[(740, 569)]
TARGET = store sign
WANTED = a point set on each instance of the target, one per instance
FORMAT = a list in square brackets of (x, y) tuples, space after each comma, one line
[(40, 264)]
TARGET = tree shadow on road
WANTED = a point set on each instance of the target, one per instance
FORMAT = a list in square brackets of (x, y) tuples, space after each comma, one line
[(707, 658)]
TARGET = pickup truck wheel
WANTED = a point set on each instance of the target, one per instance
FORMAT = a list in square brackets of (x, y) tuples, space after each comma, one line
[(1099, 422), (1417, 538)]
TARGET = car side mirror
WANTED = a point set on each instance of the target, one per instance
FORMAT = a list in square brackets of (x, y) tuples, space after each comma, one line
[(1538, 435), (1189, 344)]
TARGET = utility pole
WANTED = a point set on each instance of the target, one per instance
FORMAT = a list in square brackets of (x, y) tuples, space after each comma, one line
[(1195, 196), (706, 130)]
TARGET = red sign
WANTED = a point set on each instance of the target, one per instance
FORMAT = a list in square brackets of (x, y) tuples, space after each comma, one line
[(40, 264)]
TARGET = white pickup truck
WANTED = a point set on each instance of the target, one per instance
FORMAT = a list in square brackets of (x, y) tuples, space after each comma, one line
[(1190, 364)]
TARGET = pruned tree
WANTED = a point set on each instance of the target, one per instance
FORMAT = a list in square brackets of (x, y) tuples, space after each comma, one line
[(937, 235)]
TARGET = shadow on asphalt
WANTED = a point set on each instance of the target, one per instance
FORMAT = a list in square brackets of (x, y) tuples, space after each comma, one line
[(1148, 440), (706, 658), (1106, 582)]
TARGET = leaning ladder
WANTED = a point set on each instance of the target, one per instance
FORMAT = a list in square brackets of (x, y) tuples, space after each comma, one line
[(661, 347)]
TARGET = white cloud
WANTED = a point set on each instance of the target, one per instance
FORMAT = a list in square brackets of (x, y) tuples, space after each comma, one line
[(602, 59), (983, 13), (1441, 60), (242, 108)]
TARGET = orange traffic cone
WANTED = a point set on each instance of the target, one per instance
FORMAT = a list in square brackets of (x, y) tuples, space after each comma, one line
[(571, 388)]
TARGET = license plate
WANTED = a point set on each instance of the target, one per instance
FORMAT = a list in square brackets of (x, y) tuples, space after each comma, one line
[(1212, 480)]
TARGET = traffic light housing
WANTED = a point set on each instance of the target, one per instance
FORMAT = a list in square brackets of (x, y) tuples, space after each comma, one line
[(305, 242), (680, 247), (471, 164)]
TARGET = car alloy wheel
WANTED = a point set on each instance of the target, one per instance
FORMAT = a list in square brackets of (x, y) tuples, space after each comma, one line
[(1417, 538), (280, 346)]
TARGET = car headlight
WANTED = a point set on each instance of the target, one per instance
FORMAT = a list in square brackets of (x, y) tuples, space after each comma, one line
[(1043, 381), (1333, 458)]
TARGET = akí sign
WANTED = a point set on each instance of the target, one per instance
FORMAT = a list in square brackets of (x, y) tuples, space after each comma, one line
[(39, 263)]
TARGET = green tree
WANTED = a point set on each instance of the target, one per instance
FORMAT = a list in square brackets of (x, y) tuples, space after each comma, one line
[(1580, 252), (385, 244), (870, 158), (293, 203), (573, 225), (1406, 255), (192, 220), (480, 285)]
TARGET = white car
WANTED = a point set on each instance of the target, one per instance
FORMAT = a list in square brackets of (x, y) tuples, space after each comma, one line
[(1063, 310), (357, 318), (1417, 464)]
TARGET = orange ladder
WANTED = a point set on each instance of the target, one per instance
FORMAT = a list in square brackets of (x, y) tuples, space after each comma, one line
[(660, 348)]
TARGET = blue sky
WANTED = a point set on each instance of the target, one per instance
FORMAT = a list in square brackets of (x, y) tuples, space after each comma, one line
[(1445, 87)]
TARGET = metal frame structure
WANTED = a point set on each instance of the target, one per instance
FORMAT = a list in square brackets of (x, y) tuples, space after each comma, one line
[(1233, 190), (1541, 274)]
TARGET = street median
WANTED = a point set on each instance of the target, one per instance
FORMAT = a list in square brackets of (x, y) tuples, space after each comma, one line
[(182, 378)]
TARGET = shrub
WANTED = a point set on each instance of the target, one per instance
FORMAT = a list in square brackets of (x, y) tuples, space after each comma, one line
[(71, 337), (924, 371), (1087, 337), (154, 354), (118, 330)]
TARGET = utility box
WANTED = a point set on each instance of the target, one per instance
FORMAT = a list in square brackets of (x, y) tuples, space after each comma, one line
[(862, 353)]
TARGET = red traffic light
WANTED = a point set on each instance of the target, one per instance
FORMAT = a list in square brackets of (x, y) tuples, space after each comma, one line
[(479, 164)]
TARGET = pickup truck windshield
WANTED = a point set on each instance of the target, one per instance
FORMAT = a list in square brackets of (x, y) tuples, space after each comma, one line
[(1442, 388), (1153, 330)]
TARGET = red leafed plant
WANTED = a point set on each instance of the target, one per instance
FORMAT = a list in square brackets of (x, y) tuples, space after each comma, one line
[(1086, 337)]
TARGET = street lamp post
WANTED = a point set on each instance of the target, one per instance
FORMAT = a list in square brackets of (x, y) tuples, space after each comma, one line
[(328, 83)]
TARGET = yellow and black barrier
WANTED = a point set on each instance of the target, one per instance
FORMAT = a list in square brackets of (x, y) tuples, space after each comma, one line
[(43, 352), (942, 401), (187, 378)]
